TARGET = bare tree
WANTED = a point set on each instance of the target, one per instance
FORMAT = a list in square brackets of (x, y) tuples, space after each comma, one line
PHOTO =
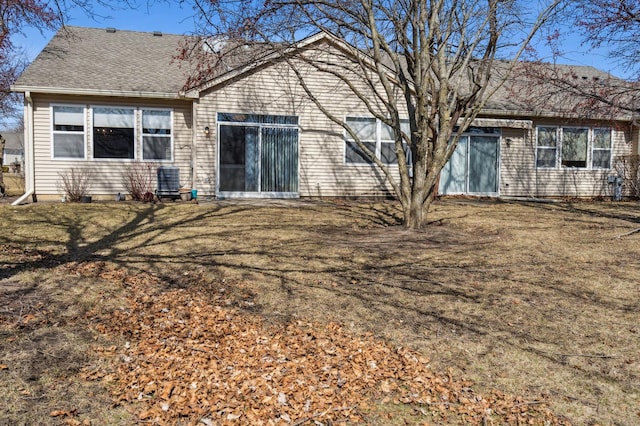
[(2, 187), (15, 16), (436, 62), (612, 24)]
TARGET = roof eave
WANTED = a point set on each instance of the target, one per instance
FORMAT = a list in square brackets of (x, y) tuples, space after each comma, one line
[(546, 114), (103, 92)]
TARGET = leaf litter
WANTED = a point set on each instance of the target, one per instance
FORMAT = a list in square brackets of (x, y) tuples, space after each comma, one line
[(191, 357)]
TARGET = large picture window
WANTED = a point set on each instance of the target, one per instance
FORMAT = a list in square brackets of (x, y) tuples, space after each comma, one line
[(156, 135), (113, 133), (573, 147), (68, 132), (376, 136)]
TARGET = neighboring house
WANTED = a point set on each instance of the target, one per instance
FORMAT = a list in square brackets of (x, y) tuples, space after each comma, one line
[(13, 151), (102, 99)]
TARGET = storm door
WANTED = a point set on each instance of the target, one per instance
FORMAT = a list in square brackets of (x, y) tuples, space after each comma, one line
[(258, 155)]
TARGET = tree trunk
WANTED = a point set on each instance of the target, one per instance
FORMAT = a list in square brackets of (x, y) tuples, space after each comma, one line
[(2, 187), (415, 215)]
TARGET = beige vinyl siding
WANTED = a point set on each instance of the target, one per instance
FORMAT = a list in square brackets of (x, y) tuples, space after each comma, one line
[(520, 177), (275, 90), (106, 175)]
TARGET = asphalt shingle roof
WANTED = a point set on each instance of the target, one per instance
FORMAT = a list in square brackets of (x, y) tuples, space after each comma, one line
[(80, 59), (97, 59)]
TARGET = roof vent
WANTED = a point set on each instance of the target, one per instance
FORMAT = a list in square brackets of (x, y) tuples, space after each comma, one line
[(157, 34), (111, 30)]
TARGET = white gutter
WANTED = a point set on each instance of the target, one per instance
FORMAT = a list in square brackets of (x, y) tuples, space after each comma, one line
[(100, 92), (194, 139), (29, 175)]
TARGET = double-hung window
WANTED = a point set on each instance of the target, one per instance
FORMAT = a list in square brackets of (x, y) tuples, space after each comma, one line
[(601, 154), (573, 147), (68, 132), (376, 136), (114, 133), (547, 147), (365, 130), (156, 135)]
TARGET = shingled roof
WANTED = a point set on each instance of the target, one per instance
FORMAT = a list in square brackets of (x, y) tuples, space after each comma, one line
[(91, 60), (94, 61)]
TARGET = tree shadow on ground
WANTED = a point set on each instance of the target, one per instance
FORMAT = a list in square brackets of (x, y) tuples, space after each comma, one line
[(487, 287)]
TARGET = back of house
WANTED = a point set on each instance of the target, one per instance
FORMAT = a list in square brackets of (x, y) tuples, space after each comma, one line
[(107, 103)]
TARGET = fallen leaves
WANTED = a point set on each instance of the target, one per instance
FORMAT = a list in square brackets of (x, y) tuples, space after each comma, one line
[(192, 358)]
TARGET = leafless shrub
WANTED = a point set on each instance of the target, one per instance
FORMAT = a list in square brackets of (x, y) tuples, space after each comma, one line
[(75, 183), (628, 167), (138, 179)]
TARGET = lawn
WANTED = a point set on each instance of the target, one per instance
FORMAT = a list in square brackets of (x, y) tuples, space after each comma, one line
[(14, 184), (497, 313)]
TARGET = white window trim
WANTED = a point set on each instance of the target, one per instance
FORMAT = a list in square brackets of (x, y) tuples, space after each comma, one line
[(549, 147), (558, 148), (54, 132), (259, 126), (143, 134), (589, 144), (136, 145), (378, 141), (610, 149)]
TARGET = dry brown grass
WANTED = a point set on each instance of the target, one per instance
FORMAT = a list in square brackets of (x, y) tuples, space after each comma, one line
[(14, 184), (532, 299)]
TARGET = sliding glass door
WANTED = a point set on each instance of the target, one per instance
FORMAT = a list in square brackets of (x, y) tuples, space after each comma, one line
[(473, 167), (258, 155)]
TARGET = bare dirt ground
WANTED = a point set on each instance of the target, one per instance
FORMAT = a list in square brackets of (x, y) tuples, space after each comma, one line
[(508, 312)]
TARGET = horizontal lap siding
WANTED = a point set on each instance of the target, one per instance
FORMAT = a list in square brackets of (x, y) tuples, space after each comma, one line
[(275, 90), (105, 176), (520, 177)]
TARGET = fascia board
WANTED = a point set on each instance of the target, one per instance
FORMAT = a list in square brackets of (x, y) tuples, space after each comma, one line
[(98, 92)]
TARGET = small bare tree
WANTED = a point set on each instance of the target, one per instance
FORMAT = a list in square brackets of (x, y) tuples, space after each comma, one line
[(138, 180), (628, 167), (436, 62), (75, 184)]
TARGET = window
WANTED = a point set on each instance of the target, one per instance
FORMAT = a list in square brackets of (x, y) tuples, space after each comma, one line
[(68, 132), (365, 130), (547, 147), (113, 133), (601, 155), (575, 147), (376, 136), (156, 135)]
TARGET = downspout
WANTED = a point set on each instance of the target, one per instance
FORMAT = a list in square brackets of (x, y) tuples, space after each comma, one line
[(29, 175), (194, 139)]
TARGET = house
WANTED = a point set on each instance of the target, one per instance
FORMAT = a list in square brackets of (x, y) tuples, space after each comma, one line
[(13, 151), (103, 100)]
